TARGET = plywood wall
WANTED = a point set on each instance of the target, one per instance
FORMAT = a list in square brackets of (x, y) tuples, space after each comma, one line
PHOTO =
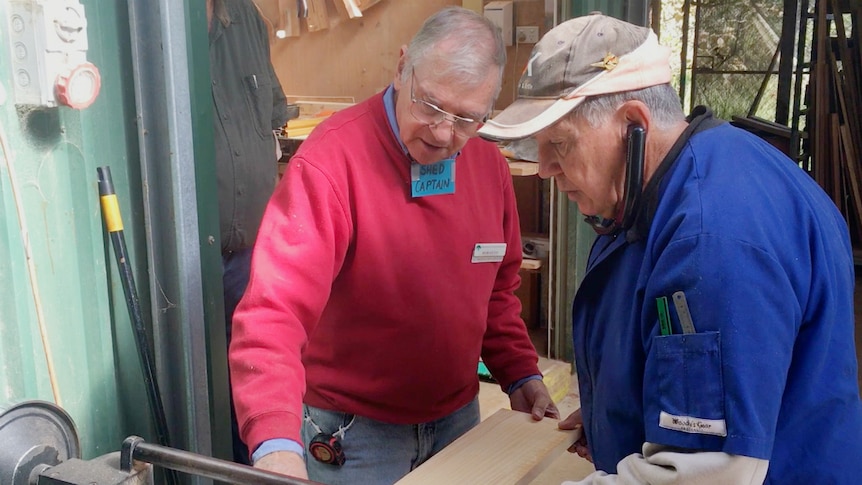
[(526, 12), (357, 57)]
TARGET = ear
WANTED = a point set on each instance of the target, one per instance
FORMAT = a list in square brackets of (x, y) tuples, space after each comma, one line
[(633, 112), (399, 69)]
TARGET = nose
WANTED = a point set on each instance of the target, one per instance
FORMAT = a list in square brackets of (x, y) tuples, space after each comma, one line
[(443, 130), (548, 169)]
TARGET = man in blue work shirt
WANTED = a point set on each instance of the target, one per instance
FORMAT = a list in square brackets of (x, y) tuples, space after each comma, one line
[(713, 330)]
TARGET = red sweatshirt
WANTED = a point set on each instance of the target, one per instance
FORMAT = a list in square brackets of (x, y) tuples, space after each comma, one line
[(363, 299)]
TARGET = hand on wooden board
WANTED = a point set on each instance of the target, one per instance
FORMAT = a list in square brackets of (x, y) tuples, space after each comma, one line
[(576, 422), (284, 462), (533, 397)]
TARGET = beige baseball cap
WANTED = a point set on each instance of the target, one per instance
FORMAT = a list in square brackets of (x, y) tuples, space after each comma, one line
[(585, 56)]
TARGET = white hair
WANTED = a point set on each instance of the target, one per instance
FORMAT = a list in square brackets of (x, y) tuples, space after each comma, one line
[(469, 44), (662, 101)]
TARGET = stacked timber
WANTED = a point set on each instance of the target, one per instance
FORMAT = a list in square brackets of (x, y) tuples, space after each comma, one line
[(834, 115)]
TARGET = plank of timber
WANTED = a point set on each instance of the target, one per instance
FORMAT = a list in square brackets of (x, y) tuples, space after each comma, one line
[(288, 18), (818, 109), (310, 107), (352, 8), (847, 83), (318, 16), (509, 448), (366, 4), (849, 157), (523, 169), (557, 376), (847, 149), (835, 190)]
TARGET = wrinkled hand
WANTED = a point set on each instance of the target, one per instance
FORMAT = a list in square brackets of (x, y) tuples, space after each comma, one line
[(533, 398), (576, 421), (284, 462)]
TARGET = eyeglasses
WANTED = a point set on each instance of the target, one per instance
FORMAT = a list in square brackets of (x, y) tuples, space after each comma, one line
[(431, 115)]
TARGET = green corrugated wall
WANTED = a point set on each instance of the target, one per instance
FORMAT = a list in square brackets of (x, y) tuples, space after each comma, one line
[(65, 331), (64, 336)]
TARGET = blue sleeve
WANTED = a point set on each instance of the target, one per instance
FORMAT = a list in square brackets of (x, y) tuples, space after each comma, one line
[(520, 382), (720, 389), (274, 445)]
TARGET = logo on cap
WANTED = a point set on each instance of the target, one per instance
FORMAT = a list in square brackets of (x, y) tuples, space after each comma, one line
[(608, 63)]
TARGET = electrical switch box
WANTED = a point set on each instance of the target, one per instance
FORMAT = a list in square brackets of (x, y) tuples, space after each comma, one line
[(502, 15), (48, 41), (527, 34)]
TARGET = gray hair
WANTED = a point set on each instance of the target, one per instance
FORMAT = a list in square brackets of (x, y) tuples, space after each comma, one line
[(662, 101), (469, 44)]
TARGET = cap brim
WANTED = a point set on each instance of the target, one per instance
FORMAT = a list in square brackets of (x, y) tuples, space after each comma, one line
[(526, 117)]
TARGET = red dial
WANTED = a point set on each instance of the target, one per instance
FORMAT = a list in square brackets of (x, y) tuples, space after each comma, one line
[(78, 87)]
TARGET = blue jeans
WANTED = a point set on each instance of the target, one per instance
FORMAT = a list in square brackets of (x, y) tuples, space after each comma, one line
[(236, 266), (381, 453)]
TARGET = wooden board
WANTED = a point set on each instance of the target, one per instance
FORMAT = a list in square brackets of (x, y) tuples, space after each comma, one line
[(312, 108), (523, 169), (365, 4), (352, 8), (509, 448), (288, 18), (318, 16)]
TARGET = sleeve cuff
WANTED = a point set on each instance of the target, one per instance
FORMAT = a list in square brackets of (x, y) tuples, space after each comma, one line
[(520, 382), (277, 444)]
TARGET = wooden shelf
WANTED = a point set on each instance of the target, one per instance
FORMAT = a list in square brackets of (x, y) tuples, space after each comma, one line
[(523, 169)]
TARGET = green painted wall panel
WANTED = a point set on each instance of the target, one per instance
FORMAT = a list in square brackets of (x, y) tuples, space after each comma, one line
[(53, 154)]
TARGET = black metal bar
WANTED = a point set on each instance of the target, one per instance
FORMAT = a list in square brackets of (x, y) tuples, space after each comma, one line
[(135, 448), (114, 225), (695, 55), (686, 16), (801, 66), (786, 43)]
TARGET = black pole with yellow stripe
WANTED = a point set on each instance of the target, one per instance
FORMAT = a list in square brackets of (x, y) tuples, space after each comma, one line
[(114, 225)]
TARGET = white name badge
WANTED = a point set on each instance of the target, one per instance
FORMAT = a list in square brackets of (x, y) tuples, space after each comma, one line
[(488, 253)]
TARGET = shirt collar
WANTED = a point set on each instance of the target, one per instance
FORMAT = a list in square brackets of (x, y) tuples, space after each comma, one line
[(389, 105), (700, 119)]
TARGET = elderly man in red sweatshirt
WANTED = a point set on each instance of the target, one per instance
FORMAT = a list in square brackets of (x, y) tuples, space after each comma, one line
[(379, 278)]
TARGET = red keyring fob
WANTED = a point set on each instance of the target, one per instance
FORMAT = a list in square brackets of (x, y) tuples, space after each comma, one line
[(326, 448)]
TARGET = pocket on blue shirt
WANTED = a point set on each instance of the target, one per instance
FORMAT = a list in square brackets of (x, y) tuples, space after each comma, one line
[(684, 391)]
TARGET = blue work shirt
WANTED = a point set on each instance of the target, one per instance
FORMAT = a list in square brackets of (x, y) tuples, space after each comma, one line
[(764, 259)]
